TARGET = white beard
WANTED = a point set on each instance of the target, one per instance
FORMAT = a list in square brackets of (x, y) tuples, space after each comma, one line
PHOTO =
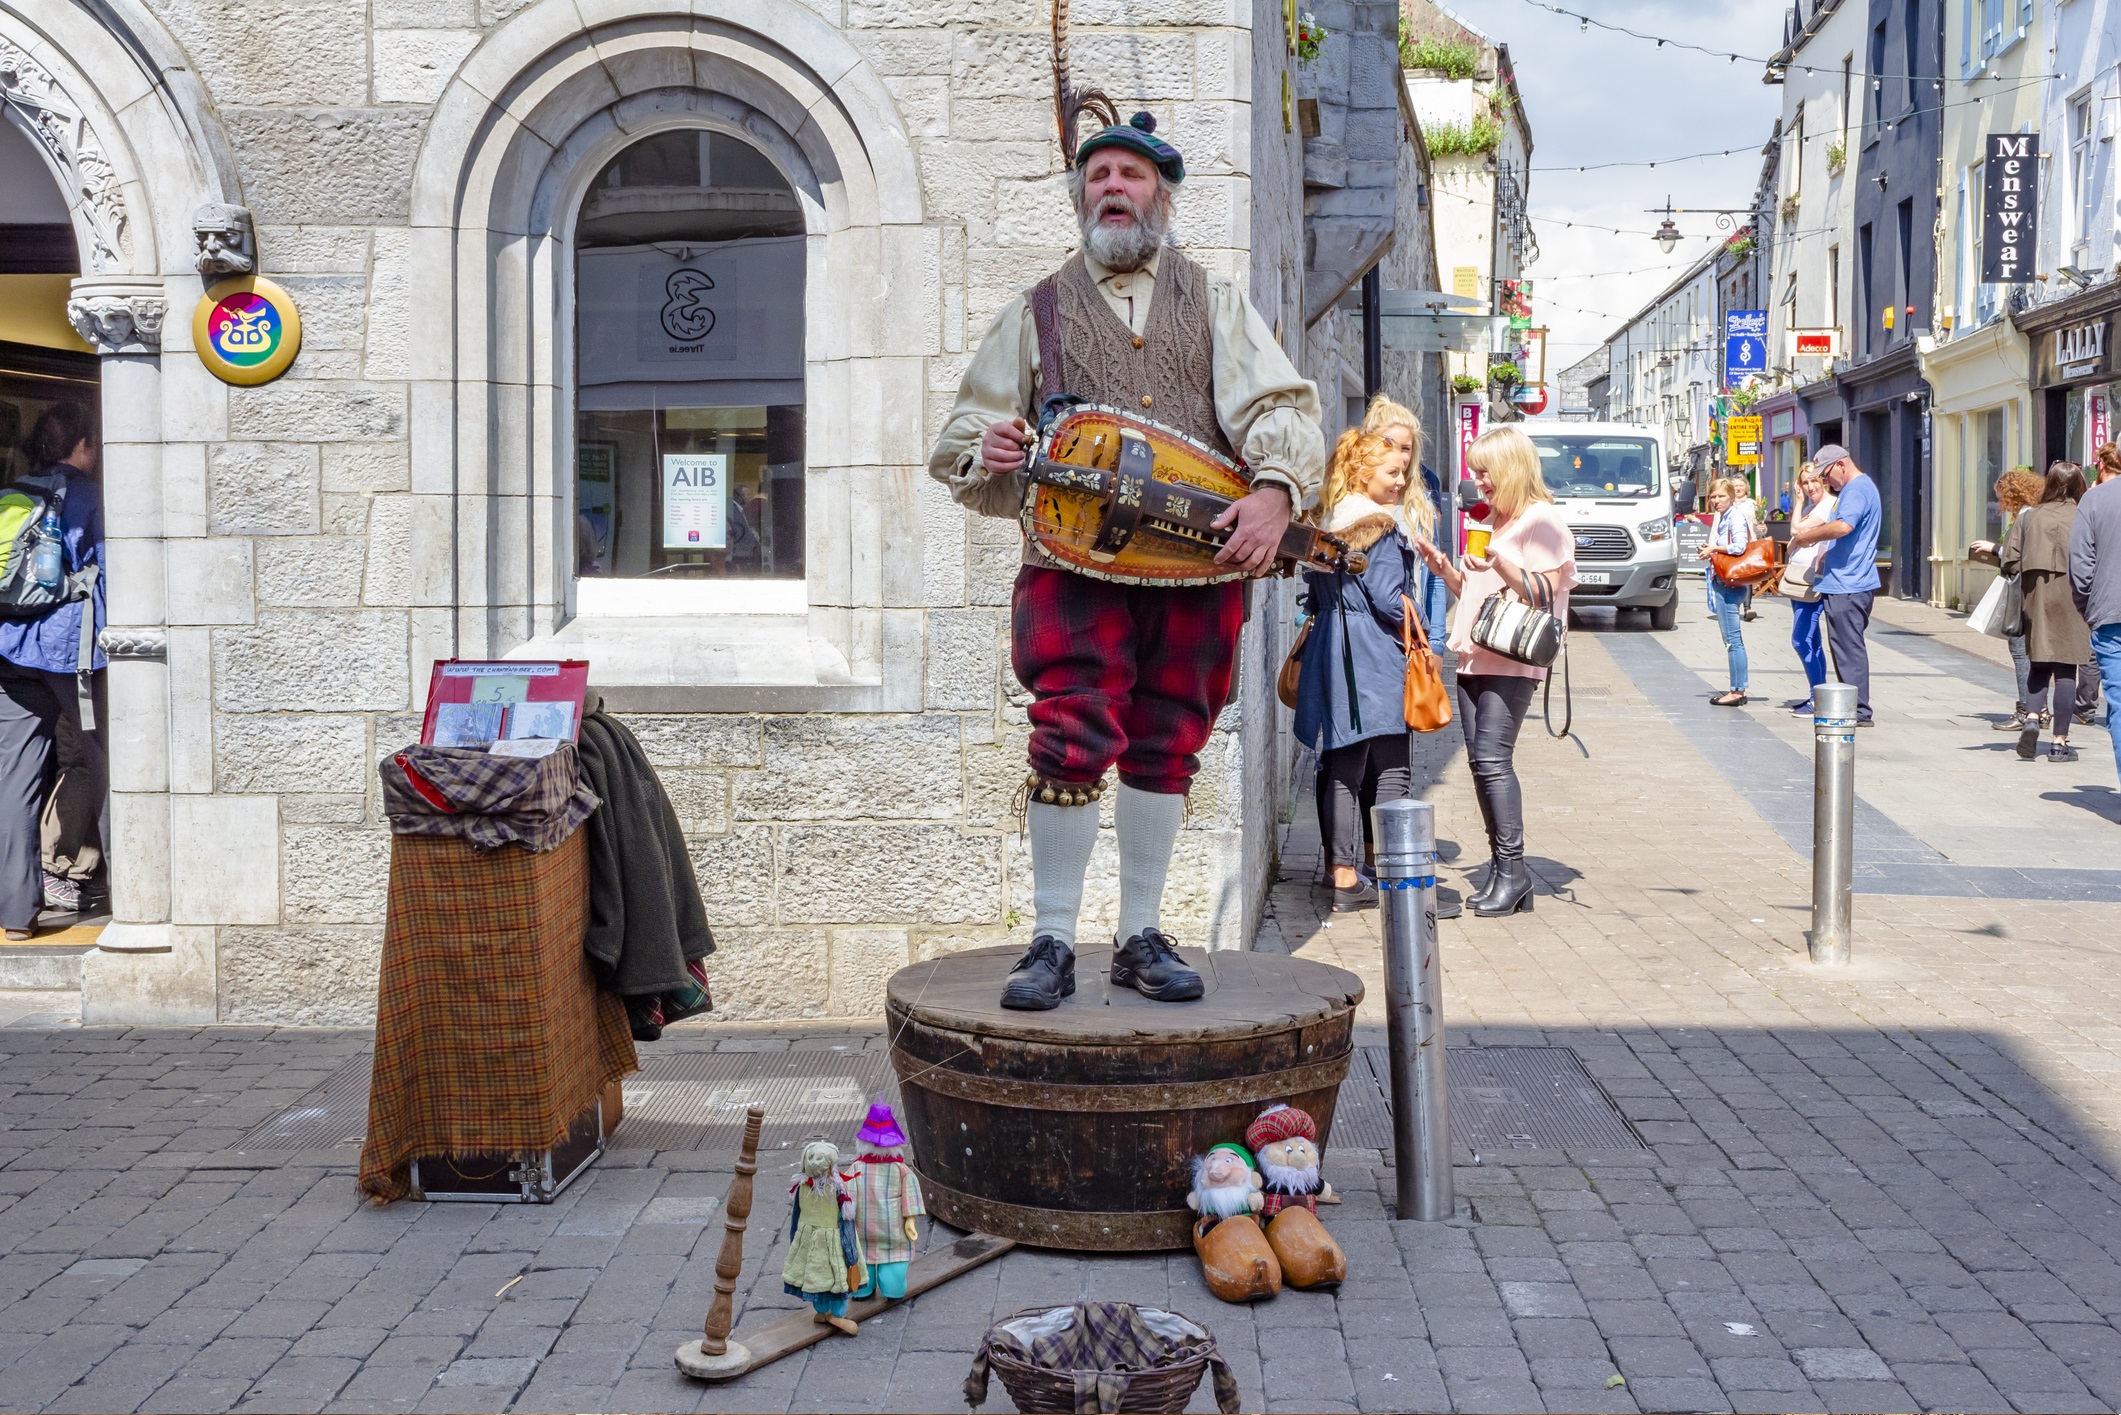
[(1288, 1179), (1127, 247), (1226, 1201)]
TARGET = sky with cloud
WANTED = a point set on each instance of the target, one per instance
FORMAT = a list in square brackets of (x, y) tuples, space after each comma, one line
[(1593, 96)]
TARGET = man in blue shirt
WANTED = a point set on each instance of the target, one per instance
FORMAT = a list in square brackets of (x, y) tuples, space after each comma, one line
[(1847, 576), (40, 685)]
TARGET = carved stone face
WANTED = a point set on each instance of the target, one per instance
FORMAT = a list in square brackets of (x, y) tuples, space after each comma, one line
[(224, 236)]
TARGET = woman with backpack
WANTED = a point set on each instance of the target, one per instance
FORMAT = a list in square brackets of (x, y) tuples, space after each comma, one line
[(1350, 706), (44, 670)]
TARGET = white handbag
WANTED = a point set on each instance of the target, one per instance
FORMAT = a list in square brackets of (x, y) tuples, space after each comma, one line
[(2001, 612), (1526, 632)]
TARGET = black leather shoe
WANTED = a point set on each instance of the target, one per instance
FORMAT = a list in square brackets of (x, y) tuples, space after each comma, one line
[(1448, 903), (1151, 966), (1042, 977), (1511, 895)]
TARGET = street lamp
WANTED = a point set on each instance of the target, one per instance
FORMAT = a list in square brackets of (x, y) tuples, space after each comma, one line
[(1668, 234)]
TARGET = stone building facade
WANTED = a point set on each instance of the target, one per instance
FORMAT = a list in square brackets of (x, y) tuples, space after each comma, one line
[(287, 561)]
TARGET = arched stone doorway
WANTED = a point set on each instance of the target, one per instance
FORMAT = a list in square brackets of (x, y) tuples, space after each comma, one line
[(66, 76)]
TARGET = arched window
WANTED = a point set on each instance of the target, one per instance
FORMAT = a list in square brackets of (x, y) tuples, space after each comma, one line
[(689, 365)]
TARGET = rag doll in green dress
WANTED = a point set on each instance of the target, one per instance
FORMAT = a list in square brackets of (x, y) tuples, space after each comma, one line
[(824, 1254)]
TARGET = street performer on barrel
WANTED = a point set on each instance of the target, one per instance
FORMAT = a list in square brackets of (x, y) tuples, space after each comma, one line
[(1123, 672)]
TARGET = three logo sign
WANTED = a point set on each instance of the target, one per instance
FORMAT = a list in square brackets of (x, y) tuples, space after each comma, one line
[(685, 318)]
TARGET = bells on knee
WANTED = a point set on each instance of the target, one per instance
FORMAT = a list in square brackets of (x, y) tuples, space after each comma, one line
[(1236, 1259), (1307, 1253)]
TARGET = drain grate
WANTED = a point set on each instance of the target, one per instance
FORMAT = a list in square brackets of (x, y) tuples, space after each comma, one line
[(333, 1114), (696, 1101), (676, 1101), (1502, 1098)]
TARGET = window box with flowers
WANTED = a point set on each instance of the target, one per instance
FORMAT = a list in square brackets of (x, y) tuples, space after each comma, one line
[(1311, 36), (1837, 157), (1741, 245)]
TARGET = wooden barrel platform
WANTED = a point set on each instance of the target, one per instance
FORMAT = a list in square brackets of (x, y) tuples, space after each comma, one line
[(1076, 1128)]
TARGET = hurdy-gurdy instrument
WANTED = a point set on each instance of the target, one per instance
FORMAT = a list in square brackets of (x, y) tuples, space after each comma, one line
[(1120, 497)]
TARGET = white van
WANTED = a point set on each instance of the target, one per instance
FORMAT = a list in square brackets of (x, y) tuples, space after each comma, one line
[(1609, 481)]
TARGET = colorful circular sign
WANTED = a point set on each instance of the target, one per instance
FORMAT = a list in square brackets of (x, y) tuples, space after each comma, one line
[(246, 330)]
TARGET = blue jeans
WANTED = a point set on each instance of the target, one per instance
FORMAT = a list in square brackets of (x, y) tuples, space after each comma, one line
[(1805, 638), (1729, 602), (2106, 649)]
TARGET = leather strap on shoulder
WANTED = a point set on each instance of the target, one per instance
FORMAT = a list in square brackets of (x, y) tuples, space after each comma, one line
[(1045, 318)]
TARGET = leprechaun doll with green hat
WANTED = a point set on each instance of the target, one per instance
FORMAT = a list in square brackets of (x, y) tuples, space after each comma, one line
[(1125, 675)]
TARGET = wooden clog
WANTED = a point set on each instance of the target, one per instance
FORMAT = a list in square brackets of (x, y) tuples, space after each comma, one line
[(1308, 1255), (1235, 1259)]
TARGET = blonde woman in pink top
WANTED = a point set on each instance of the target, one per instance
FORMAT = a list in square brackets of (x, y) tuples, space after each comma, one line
[(1494, 693)]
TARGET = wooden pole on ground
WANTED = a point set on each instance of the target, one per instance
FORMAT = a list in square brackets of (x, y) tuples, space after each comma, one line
[(714, 1356)]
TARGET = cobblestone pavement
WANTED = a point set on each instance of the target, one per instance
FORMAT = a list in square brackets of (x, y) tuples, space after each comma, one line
[(1886, 1188)]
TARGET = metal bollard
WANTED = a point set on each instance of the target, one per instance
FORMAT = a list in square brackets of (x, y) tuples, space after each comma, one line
[(1833, 819), (1405, 832)]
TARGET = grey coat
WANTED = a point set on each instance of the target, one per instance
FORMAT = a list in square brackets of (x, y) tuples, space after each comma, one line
[(2037, 552)]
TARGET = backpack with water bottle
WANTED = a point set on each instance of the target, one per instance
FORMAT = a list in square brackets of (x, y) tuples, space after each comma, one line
[(33, 576)]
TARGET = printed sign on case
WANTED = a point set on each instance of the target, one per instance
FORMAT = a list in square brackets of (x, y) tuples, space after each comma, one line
[(2010, 207), (695, 501), (246, 330)]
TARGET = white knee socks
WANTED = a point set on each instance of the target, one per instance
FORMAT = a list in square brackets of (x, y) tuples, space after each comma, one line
[(1061, 840), (1148, 823)]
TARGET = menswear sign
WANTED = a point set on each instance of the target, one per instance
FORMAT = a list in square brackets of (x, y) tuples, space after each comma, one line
[(2010, 189)]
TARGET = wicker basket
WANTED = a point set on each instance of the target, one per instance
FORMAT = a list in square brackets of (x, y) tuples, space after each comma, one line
[(1165, 1384)]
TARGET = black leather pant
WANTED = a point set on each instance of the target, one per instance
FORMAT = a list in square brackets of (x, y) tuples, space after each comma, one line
[(1356, 777), (1491, 708)]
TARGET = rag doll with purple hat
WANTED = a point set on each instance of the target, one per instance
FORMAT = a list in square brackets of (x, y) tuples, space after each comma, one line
[(887, 1196)]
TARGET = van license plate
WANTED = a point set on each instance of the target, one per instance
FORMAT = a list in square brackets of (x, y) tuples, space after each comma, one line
[(1594, 577)]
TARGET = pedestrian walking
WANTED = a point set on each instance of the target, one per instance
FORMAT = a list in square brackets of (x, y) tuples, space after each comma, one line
[(1815, 506), (1730, 533), (1848, 568), (2015, 490), (2057, 639), (2095, 578), (44, 671), (1494, 692), (1349, 707)]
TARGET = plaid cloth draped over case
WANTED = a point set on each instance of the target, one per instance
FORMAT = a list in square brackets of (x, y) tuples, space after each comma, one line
[(491, 1033), (534, 802)]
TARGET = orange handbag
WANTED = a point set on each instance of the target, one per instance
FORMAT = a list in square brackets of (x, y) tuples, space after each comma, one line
[(1427, 705), (1749, 567), (1292, 667)]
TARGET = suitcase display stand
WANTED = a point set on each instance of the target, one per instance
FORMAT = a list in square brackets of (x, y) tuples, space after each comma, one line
[(495, 1049), (524, 1177)]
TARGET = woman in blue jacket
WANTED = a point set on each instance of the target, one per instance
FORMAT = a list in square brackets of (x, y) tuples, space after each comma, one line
[(1349, 697), (43, 675)]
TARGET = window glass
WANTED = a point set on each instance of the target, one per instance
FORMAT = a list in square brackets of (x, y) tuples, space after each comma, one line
[(1988, 466), (1606, 467), (689, 365)]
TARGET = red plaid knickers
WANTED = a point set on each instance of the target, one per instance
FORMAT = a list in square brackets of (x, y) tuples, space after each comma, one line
[(1132, 674)]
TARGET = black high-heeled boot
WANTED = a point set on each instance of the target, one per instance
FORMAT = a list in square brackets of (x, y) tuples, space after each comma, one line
[(1475, 898), (1513, 895)]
